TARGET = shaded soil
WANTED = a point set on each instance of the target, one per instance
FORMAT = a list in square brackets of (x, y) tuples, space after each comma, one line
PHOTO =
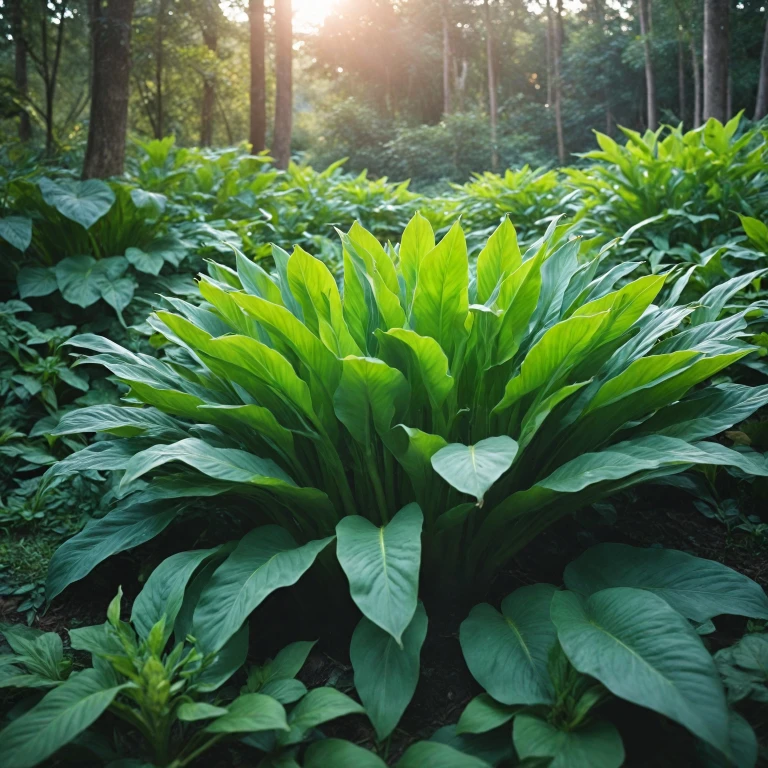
[(445, 686)]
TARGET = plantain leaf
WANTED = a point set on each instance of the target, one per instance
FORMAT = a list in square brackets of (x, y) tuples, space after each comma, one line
[(698, 589), (644, 651), (473, 469), (386, 675), (59, 718), (265, 560), (507, 652), (382, 565), (596, 745)]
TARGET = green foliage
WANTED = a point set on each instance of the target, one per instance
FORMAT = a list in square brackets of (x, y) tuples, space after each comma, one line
[(174, 700), (552, 658), (673, 194), (432, 421)]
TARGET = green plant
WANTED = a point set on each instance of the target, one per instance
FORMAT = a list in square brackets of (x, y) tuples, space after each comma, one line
[(174, 700), (675, 196), (413, 414), (551, 658)]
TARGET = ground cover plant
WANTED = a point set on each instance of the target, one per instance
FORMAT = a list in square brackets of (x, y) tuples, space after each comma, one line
[(376, 426)]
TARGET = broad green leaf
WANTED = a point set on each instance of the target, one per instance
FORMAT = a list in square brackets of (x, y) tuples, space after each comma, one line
[(123, 528), (284, 691), (386, 675), (82, 201), (639, 374), (698, 589), (192, 711), (265, 560), (418, 240), (473, 469), (430, 361), (36, 281), (163, 592), (624, 306), (370, 394), (493, 747), (151, 203), (499, 258), (123, 422), (550, 360), (441, 300), (644, 651), (507, 652), (17, 231), (414, 450), (707, 412), (289, 660), (315, 289), (340, 754), (228, 464), (257, 281), (431, 754), (595, 745), (756, 231), (227, 662), (248, 713), (59, 718), (149, 263), (483, 714), (319, 706), (287, 330), (79, 280), (382, 565)]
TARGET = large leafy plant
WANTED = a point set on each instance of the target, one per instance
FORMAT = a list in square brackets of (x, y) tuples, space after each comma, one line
[(629, 626), (667, 193), (431, 420), (174, 698)]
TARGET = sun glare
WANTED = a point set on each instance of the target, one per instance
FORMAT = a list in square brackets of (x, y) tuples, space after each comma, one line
[(311, 13), (307, 14)]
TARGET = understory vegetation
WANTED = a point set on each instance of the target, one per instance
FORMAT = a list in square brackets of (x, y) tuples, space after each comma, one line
[(361, 476)]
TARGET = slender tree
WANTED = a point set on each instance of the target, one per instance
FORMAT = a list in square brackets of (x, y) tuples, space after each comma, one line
[(159, 121), (681, 105), (47, 61), (111, 41), (761, 104), (447, 106), (258, 105), (716, 45), (650, 79), (281, 145), (210, 31), (557, 61), (20, 77), (492, 109)]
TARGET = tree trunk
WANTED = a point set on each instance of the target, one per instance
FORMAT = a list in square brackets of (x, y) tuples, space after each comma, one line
[(697, 103), (111, 36), (281, 144), (159, 56), (258, 77), (761, 104), (681, 77), (716, 19), (558, 84), (650, 79), (20, 68), (491, 87), (211, 41), (447, 106), (549, 44)]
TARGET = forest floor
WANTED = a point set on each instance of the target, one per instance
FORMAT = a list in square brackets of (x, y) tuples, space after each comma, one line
[(445, 686)]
